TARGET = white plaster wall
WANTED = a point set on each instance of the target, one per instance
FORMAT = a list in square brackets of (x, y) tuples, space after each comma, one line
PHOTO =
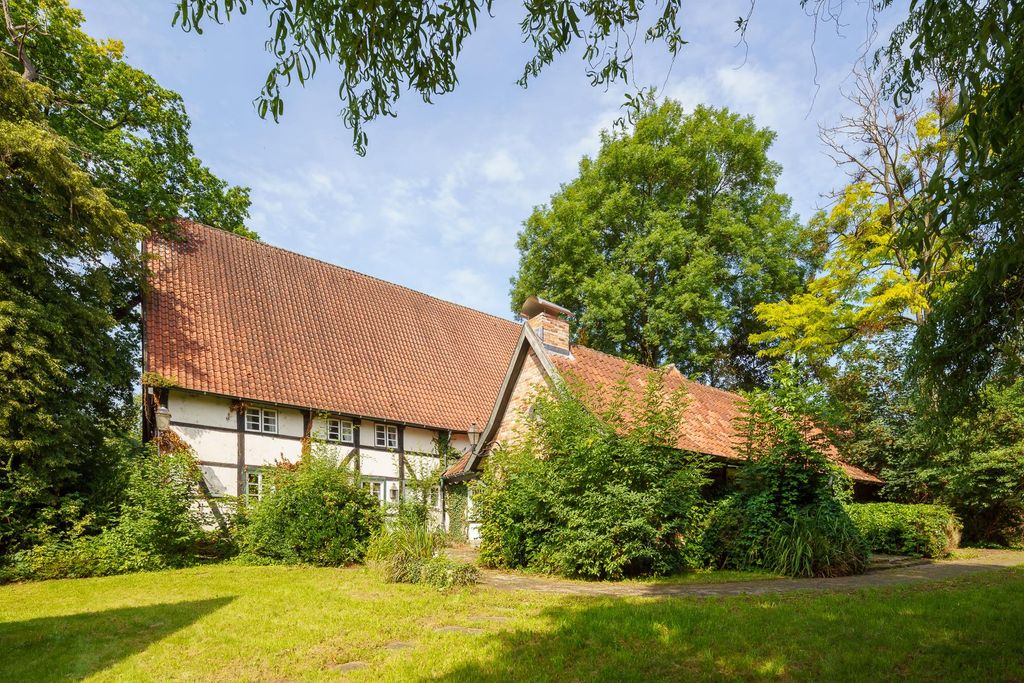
[(472, 525), (261, 450), (210, 445), (289, 422), (221, 481), (459, 442), (421, 465), (201, 410), (375, 463), (419, 440), (366, 430), (266, 449)]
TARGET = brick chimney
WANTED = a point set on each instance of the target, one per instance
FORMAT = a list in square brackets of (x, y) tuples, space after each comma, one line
[(548, 320)]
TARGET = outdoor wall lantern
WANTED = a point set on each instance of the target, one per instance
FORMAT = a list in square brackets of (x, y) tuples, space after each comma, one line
[(474, 434), (163, 419)]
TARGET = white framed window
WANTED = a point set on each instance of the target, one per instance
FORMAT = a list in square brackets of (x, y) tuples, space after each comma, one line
[(377, 489), (253, 484), (261, 420), (386, 436), (340, 431)]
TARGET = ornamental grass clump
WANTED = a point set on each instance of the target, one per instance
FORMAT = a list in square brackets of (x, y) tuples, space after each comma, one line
[(408, 551), (787, 515), (595, 488)]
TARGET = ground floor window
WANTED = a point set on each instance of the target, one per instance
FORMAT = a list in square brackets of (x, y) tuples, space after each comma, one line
[(253, 484)]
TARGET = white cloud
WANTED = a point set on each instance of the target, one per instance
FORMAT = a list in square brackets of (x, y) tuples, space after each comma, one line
[(500, 167)]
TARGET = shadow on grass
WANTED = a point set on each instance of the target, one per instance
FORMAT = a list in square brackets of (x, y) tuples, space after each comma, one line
[(78, 645), (959, 631)]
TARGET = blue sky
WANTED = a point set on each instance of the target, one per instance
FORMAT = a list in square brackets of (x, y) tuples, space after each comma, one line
[(437, 202)]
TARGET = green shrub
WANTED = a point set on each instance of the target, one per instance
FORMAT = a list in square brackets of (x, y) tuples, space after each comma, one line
[(900, 529), (444, 573), (315, 513), (158, 527), (787, 514), (595, 488)]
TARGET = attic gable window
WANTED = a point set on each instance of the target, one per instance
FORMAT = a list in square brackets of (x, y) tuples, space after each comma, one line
[(386, 436), (261, 420), (339, 431)]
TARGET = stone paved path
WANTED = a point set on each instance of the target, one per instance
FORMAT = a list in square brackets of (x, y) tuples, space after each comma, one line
[(986, 560)]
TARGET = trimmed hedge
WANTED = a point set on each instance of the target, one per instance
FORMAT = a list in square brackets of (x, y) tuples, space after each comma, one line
[(901, 529)]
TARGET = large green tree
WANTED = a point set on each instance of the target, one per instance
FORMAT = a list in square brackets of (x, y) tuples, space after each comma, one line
[(872, 282), (94, 155), (667, 241), (129, 133), (976, 328), (383, 49)]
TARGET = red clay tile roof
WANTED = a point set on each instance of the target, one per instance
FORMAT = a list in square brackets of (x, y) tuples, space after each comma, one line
[(235, 317), (708, 421), (459, 466)]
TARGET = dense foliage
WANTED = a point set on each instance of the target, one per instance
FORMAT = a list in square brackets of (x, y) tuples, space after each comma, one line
[(871, 283), (666, 242), (898, 529), (384, 48), (93, 155), (158, 526), (787, 513), (976, 48), (126, 131), (979, 469), (314, 513), (857, 322), (595, 489), (65, 361)]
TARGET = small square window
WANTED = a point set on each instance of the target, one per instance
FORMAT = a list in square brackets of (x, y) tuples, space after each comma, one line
[(339, 430), (270, 421), (254, 485), (261, 420), (386, 436)]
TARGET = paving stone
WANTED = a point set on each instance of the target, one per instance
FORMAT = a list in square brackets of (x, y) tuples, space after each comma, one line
[(458, 629), (399, 645), (917, 571), (350, 666)]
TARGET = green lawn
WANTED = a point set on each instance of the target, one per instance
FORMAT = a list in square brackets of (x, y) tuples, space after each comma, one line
[(232, 623)]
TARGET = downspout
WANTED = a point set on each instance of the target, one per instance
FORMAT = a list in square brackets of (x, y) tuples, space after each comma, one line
[(444, 468)]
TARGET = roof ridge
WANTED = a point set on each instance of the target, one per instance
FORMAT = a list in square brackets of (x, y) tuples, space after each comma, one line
[(268, 245)]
